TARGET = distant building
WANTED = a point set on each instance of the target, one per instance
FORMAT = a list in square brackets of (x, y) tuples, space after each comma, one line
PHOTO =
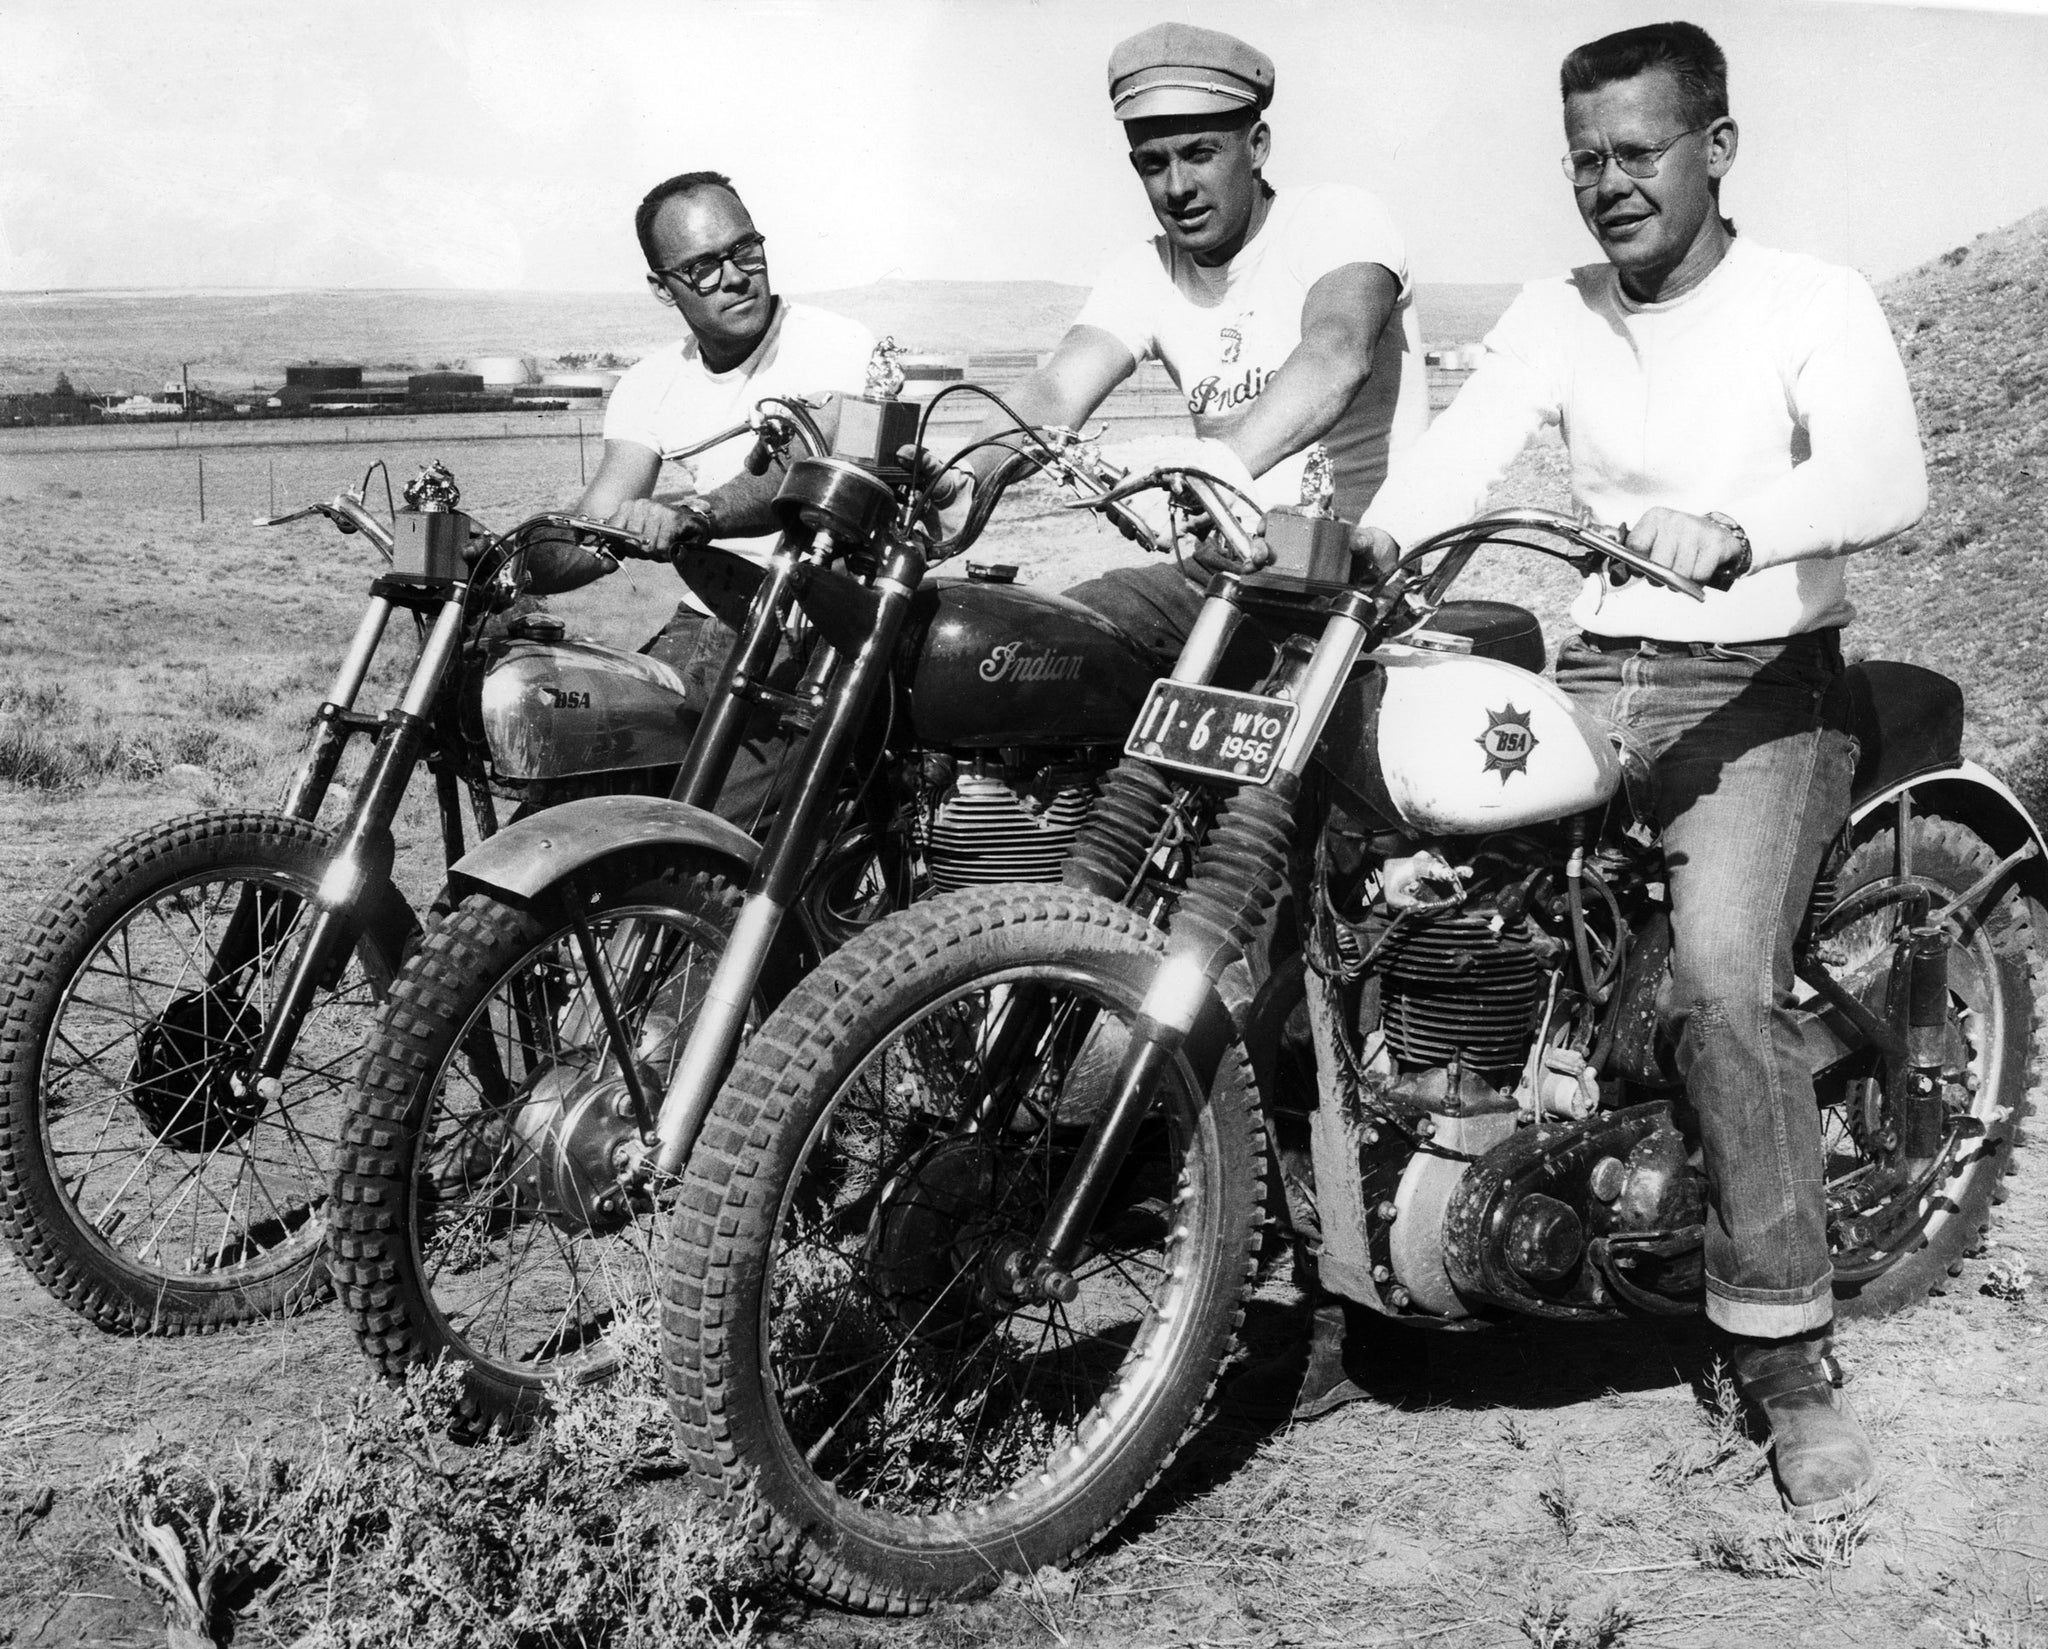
[(317, 375), (146, 406)]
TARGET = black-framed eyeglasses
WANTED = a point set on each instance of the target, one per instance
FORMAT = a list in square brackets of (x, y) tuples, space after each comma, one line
[(1584, 166), (702, 275)]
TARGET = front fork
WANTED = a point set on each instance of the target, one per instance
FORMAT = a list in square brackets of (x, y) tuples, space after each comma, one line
[(362, 859), (1238, 877), (721, 1017)]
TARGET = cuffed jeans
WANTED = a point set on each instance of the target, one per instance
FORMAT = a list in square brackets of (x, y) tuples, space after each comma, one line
[(1734, 752)]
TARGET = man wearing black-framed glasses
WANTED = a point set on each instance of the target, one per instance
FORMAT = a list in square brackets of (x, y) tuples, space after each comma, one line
[(708, 262), (1740, 412)]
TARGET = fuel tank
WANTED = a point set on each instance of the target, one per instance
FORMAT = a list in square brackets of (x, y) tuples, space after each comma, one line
[(997, 664), (1457, 744), (552, 708)]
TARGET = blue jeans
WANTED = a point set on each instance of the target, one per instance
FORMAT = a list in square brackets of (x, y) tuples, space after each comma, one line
[(1156, 605), (1733, 751), (696, 646)]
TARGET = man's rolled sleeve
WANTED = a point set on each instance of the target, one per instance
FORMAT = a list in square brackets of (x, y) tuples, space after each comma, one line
[(1865, 477), (1342, 226), (1125, 301), (632, 414)]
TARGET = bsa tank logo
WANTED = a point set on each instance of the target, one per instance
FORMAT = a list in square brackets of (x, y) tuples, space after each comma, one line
[(1507, 741), (1009, 662)]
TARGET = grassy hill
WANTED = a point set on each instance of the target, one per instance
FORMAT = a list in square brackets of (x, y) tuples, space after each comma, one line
[(1966, 592)]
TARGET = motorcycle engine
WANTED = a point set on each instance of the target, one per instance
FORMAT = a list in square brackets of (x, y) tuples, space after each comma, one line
[(991, 821), (1525, 1192), (1466, 986)]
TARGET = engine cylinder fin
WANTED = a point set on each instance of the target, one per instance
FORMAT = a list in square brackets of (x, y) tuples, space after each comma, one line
[(983, 832), (1456, 988)]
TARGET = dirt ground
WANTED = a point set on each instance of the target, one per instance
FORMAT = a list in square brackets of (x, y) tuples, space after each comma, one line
[(1515, 1487)]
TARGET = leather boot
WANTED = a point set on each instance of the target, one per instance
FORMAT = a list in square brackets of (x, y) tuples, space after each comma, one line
[(1303, 1383), (1824, 1464)]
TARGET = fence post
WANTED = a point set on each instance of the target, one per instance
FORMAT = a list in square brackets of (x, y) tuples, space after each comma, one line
[(202, 486)]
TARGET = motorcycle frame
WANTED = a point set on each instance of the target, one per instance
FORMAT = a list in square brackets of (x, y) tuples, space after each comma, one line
[(422, 726), (1183, 992)]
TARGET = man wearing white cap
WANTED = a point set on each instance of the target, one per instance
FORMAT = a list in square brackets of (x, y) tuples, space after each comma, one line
[(1283, 315)]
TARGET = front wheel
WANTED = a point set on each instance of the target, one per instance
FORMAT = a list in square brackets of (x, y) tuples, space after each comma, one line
[(487, 1209), (140, 1180), (1899, 1226), (846, 1348)]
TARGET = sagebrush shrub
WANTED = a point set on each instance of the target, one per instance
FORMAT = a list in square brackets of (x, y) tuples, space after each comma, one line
[(579, 1534)]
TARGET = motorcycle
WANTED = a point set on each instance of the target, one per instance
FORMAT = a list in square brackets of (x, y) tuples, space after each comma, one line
[(970, 1228), (176, 1024), (544, 1063)]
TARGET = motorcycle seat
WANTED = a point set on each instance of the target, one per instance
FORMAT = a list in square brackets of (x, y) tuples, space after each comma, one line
[(1905, 720), (1497, 629)]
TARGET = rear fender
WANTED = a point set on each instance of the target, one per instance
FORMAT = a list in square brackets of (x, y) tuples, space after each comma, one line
[(1973, 796), (525, 859)]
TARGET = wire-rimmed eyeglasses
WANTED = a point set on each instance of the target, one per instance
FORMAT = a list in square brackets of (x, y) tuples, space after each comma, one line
[(1584, 166)]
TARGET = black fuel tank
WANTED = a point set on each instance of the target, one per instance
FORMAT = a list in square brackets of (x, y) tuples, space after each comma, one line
[(1005, 664)]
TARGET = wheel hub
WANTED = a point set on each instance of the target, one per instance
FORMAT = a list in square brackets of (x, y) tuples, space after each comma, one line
[(578, 1136), (935, 1239), (182, 1082)]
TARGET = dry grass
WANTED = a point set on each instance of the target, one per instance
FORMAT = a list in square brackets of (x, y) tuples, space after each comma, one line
[(1519, 1487), (382, 1531)]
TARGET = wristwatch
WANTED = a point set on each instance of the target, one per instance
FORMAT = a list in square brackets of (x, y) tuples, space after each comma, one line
[(1740, 565)]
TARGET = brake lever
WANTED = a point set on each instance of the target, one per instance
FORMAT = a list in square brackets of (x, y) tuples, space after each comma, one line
[(1118, 493), (1624, 563)]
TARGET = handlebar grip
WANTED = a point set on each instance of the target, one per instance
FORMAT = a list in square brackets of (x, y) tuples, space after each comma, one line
[(759, 456)]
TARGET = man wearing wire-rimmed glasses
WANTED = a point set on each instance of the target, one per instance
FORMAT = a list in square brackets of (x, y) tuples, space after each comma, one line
[(1740, 412)]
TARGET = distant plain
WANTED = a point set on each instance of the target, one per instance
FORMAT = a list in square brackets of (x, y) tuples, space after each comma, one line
[(1543, 1488), (119, 340)]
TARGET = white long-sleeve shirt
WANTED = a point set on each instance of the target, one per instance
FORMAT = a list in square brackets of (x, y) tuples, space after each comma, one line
[(1771, 392)]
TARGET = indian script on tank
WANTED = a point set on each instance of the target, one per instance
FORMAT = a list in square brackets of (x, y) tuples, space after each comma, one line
[(1009, 662)]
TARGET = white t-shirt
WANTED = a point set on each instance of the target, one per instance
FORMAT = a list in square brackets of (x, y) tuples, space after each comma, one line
[(669, 399), (1221, 333), (1771, 392)]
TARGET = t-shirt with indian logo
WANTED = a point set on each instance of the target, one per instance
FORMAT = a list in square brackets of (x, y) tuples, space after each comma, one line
[(1222, 333)]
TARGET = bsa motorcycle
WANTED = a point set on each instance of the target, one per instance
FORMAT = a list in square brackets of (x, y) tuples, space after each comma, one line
[(545, 1062), (968, 1232), (177, 1025)]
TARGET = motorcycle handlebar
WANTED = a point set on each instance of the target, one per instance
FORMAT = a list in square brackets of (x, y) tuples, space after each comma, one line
[(1590, 540), (1247, 551), (345, 513)]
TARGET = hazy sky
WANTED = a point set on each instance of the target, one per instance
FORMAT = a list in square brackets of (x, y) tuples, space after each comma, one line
[(504, 144)]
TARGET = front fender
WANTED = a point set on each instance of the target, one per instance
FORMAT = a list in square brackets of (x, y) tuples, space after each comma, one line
[(526, 858), (1978, 798)]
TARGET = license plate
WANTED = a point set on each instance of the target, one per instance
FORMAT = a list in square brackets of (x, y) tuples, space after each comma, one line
[(1211, 730)]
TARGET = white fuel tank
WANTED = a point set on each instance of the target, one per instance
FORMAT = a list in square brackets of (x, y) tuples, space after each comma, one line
[(1469, 744)]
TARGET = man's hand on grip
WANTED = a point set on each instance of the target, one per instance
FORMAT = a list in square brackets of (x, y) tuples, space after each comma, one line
[(1691, 545)]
